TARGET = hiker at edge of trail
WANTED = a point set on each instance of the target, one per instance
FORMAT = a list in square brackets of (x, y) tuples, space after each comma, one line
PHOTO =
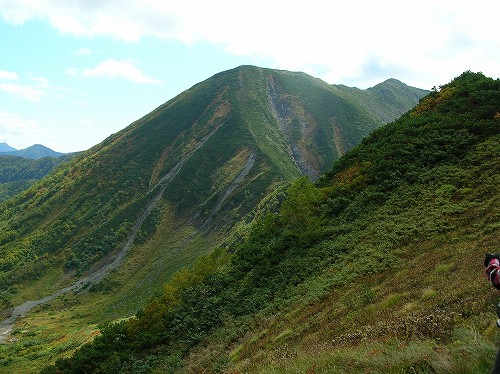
[(492, 264)]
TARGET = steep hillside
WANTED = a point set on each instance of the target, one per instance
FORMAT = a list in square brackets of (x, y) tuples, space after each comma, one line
[(120, 219), (18, 173), (219, 147), (375, 268)]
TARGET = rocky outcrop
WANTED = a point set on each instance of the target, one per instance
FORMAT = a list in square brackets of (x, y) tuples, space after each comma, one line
[(285, 110)]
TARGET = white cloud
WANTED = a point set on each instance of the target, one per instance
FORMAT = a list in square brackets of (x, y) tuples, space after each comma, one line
[(38, 87), (42, 81), (8, 75), (45, 87), (355, 41), (13, 129), (28, 92), (118, 69)]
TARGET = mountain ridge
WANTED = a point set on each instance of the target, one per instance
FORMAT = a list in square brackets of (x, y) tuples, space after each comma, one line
[(276, 143), (34, 152), (203, 160), (385, 93), (4, 147), (376, 267)]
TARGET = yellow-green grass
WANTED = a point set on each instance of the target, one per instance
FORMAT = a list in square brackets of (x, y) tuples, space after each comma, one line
[(52, 280), (45, 335), (56, 329), (435, 316), (469, 354)]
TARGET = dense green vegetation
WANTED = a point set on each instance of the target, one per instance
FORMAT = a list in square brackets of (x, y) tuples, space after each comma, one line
[(18, 173), (85, 210), (376, 267)]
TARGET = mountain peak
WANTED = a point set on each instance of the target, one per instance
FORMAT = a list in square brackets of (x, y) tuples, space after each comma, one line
[(33, 152), (386, 100), (4, 147), (391, 82), (38, 146), (196, 166)]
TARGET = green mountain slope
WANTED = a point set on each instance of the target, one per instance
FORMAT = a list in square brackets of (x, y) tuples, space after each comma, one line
[(375, 268), (120, 219), (18, 173), (271, 126), (386, 100)]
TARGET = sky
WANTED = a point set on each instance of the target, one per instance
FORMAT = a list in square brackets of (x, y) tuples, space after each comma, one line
[(72, 72)]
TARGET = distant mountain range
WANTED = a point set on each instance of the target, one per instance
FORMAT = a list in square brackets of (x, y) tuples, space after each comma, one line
[(35, 152), (19, 169), (19, 173), (4, 147)]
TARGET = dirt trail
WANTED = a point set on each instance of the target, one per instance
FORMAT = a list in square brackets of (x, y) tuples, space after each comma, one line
[(98, 275)]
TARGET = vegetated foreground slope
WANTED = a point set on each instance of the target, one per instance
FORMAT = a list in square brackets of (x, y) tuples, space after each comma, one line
[(375, 268), (220, 146)]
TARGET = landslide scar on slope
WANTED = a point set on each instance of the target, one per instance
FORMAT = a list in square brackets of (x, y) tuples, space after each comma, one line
[(297, 126), (338, 137), (219, 113)]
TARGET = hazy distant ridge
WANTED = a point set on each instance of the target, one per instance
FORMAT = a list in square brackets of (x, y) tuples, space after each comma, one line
[(34, 152)]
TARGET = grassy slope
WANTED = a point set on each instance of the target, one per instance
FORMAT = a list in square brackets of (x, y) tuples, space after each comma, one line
[(84, 210), (378, 268), (56, 329), (409, 294)]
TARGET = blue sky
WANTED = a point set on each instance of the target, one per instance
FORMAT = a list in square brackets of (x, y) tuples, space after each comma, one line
[(73, 72)]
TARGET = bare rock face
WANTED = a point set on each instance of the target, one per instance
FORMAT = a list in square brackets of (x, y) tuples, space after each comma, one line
[(298, 127)]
